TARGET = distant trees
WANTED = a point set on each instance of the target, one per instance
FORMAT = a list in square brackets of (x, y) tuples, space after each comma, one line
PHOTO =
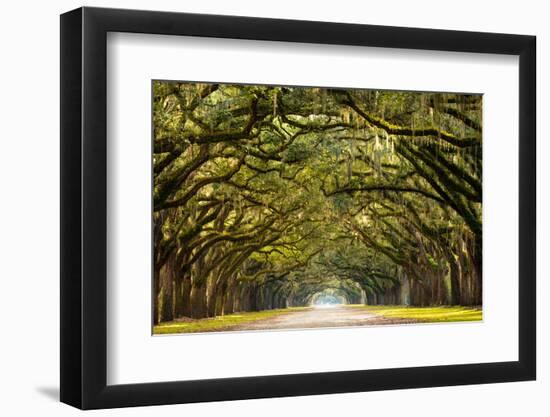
[(266, 196)]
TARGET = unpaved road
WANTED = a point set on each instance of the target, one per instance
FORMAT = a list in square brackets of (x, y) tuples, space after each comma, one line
[(340, 316)]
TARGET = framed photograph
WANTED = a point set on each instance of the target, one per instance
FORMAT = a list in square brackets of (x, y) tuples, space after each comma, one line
[(257, 208)]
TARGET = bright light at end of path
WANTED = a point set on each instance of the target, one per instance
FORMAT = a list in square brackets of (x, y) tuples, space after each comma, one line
[(325, 305)]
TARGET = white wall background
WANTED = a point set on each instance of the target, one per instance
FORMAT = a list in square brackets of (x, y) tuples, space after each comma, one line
[(29, 225)]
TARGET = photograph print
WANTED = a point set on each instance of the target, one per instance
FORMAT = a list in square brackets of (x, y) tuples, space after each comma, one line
[(288, 207)]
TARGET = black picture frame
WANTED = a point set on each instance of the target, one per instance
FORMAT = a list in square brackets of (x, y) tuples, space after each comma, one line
[(84, 207)]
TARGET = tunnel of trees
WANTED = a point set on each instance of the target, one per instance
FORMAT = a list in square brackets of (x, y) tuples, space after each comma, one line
[(269, 197)]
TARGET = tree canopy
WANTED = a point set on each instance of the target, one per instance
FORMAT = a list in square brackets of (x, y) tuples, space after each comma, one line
[(273, 196)]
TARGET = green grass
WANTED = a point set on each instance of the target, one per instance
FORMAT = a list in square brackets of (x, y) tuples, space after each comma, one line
[(428, 314), (219, 323)]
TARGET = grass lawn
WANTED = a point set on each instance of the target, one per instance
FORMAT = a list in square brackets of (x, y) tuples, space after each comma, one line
[(218, 323), (427, 314)]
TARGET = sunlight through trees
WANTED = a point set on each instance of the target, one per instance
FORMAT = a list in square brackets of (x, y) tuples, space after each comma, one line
[(266, 197)]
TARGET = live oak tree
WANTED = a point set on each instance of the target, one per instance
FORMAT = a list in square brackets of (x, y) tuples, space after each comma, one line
[(267, 197)]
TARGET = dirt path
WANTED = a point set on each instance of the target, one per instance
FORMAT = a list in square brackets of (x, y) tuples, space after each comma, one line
[(340, 316)]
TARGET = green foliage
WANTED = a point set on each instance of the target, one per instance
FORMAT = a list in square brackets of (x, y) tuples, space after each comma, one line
[(302, 190)]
